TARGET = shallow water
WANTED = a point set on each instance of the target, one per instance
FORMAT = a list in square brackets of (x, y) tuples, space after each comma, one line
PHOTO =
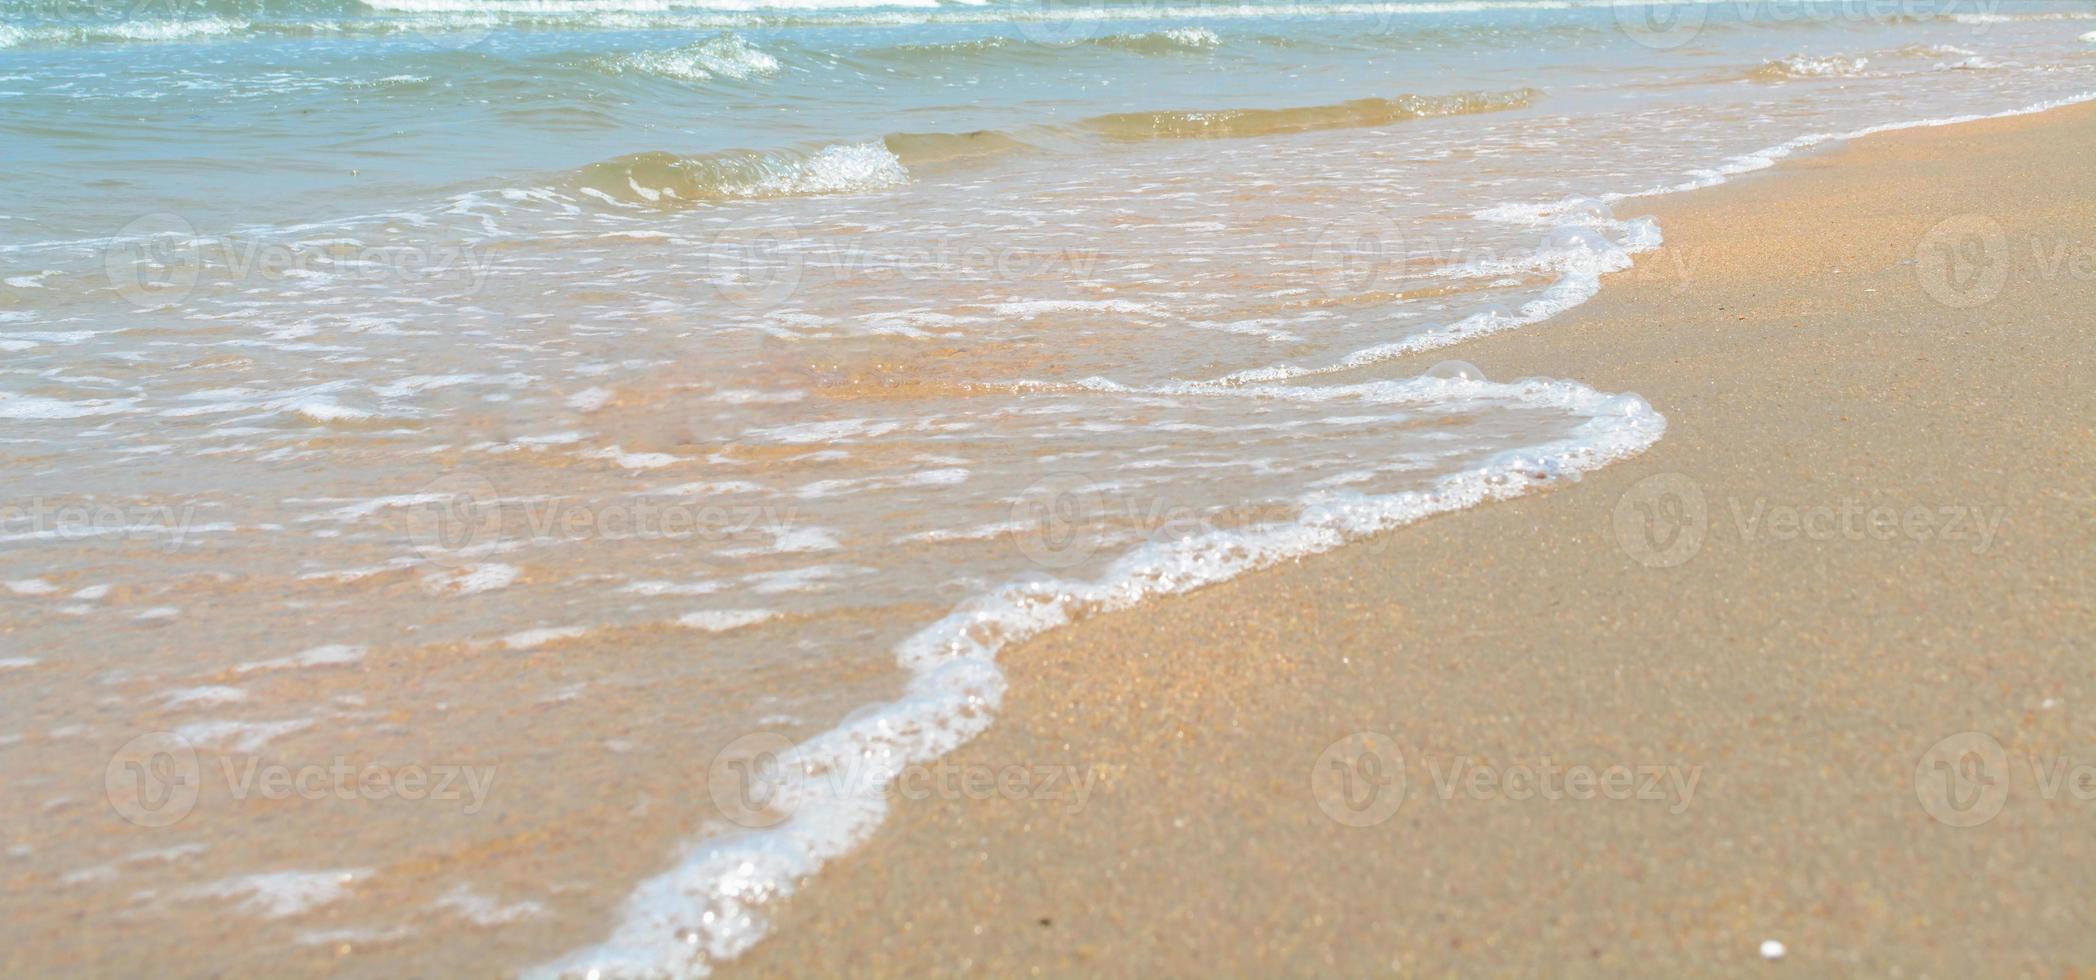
[(565, 395)]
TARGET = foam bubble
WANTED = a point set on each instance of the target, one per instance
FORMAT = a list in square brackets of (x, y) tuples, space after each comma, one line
[(589, 399), (1456, 371), (791, 541), (239, 737), (531, 639), (204, 696), (330, 655), (283, 894), (482, 910), (635, 461), (723, 620), (33, 407), (474, 579)]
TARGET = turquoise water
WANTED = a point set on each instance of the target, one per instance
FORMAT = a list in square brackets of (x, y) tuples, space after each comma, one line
[(254, 113), (585, 389)]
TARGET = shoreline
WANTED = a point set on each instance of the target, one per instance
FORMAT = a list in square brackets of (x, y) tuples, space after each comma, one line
[(1245, 683)]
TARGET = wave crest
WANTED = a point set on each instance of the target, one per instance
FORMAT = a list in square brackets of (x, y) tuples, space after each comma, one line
[(920, 149), (725, 56), (1227, 123), (1805, 66), (661, 179), (1177, 40)]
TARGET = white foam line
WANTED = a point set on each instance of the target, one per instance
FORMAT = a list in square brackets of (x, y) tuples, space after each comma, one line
[(1581, 263), (1762, 159), (1570, 249), (708, 908)]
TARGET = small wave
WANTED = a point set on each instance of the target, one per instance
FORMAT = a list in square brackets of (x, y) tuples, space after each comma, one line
[(972, 46), (1968, 64), (1984, 19), (1933, 51), (666, 179), (1223, 123), (725, 56), (1806, 66), (569, 7), (1177, 40), (921, 149), (129, 30)]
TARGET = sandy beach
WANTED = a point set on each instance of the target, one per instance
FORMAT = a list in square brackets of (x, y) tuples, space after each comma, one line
[(1692, 705), (601, 489)]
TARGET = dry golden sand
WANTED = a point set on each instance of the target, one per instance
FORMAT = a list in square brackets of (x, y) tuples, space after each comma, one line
[(1787, 336)]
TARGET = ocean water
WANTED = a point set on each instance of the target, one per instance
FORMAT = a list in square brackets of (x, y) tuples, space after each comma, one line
[(600, 399)]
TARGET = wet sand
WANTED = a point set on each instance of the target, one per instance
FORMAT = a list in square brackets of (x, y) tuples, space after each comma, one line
[(1887, 421)]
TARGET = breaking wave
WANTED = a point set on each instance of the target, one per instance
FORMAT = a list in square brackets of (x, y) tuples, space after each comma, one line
[(726, 56), (666, 180), (662, 179), (1805, 66)]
